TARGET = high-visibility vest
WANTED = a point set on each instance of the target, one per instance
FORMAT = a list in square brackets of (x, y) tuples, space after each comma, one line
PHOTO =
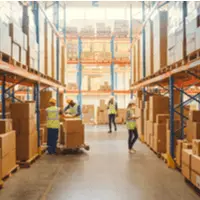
[(131, 124), (73, 110), (53, 117), (112, 109)]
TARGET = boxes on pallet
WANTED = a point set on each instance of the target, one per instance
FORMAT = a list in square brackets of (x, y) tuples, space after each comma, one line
[(196, 147), (186, 163), (195, 163), (16, 34), (5, 125), (16, 52), (160, 137), (187, 145), (195, 179), (8, 153)]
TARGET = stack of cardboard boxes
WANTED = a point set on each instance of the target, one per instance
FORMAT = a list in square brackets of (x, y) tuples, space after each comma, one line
[(102, 113), (24, 123), (8, 148), (102, 30), (87, 31), (88, 114), (105, 87), (73, 133), (121, 28)]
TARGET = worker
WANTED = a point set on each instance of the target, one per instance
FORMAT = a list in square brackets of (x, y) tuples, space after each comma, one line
[(131, 126), (112, 113), (53, 125), (72, 110)]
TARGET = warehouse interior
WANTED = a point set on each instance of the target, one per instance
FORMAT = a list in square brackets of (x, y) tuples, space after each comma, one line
[(67, 67)]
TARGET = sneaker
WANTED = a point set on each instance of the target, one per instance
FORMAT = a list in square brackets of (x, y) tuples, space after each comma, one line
[(115, 129), (109, 131), (131, 151)]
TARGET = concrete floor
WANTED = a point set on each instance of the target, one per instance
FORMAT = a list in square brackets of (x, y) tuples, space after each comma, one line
[(107, 172)]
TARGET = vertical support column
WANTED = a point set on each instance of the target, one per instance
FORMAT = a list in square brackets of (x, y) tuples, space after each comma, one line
[(171, 104), (182, 114), (131, 40), (184, 28), (37, 108), (143, 53), (112, 65), (116, 83), (3, 99)]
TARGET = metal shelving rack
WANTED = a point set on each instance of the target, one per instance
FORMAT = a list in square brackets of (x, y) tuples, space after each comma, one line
[(170, 80)]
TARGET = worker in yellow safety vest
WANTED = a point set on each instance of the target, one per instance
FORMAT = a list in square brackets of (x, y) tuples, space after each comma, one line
[(53, 125), (112, 113), (72, 110), (131, 126)]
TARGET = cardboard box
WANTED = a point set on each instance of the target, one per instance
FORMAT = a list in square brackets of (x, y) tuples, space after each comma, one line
[(45, 96), (72, 125), (187, 145), (162, 118), (5, 125), (195, 179), (196, 147), (194, 115), (7, 163), (186, 157), (193, 130), (186, 171), (43, 116), (7, 143), (27, 146), (160, 138), (23, 110), (41, 136), (44, 126), (179, 147), (62, 134), (195, 163)]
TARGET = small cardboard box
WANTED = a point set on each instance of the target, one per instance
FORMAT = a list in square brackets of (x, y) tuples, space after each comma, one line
[(45, 96), (162, 118), (196, 147), (186, 157), (195, 164), (7, 143), (5, 125), (193, 130), (194, 115), (186, 171), (7, 163), (195, 179)]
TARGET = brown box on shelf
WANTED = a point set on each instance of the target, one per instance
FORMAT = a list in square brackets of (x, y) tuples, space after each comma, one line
[(7, 143), (162, 118), (186, 171), (193, 130), (186, 157), (179, 148), (195, 179), (195, 164), (160, 138), (27, 146), (5, 125), (196, 147), (7, 163), (194, 115), (45, 96), (23, 110)]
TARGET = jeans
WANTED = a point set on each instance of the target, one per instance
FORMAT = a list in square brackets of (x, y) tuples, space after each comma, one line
[(52, 140), (112, 120), (133, 136)]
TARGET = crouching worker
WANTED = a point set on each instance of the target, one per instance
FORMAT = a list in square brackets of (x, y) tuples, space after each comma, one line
[(53, 125), (72, 110), (131, 126)]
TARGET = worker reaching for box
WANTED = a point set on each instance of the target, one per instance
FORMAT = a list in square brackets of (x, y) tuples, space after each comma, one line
[(53, 125), (72, 110)]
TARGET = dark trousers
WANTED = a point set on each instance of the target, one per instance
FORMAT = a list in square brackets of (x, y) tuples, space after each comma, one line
[(52, 140), (111, 118), (133, 136)]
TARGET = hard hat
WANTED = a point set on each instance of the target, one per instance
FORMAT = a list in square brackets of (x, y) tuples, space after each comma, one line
[(52, 101), (131, 101), (69, 101)]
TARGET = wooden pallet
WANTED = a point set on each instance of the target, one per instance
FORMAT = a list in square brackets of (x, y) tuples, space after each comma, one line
[(29, 162), (193, 56), (12, 171), (197, 190), (19, 64), (5, 57)]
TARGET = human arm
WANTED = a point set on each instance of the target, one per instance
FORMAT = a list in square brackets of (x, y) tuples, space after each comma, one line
[(66, 108)]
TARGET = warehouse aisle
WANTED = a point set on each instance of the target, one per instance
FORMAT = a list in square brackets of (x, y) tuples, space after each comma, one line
[(108, 172)]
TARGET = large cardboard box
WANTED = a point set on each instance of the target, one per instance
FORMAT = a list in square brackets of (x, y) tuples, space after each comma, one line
[(186, 157), (194, 115), (179, 148), (150, 127), (195, 163), (44, 126), (196, 147), (193, 130), (162, 118), (187, 145), (5, 125), (45, 96), (7, 163), (72, 125), (160, 138), (43, 116), (186, 171), (27, 146), (23, 110), (7, 143), (195, 179)]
